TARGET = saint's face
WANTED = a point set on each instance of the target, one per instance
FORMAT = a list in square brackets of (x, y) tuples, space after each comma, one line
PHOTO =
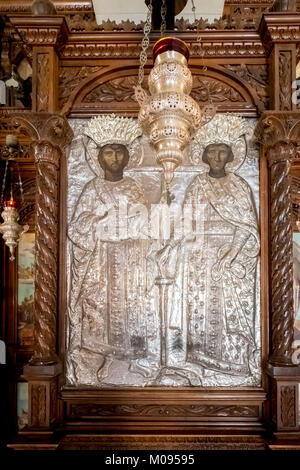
[(113, 157), (217, 156)]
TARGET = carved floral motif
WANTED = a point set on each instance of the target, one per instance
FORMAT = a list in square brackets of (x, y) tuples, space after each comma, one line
[(70, 78), (285, 79), (118, 89), (256, 75), (43, 71), (121, 90), (205, 88)]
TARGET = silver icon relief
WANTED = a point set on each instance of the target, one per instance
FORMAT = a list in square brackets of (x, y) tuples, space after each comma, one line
[(157, 305)]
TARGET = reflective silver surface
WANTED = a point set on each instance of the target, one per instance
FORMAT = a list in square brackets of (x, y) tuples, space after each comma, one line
[(169, 116), (154, 311)]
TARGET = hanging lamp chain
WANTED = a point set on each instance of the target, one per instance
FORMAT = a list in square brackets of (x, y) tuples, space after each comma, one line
[(211, 106), (20, 183), (3, 184), (145, 44), (163, 12), (198, 39)]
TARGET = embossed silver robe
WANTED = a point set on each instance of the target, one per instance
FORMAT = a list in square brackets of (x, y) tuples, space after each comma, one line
[(107, 293), (221, 297)]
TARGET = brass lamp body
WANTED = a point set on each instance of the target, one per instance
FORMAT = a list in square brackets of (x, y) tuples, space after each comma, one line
[(169, 116), (10, 229)]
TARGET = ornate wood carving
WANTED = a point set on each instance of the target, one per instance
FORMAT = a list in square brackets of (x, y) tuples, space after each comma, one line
[(116, 94), (203, 87), (76, 411), (41, 31), (81, 17), (285, 80), (38, 401), (43, 404), (121, 90), (256, 76), (216, 47), (238, 18), (273, 401), (282, 261), (42, 127), (160, 442), (287, 400), (50, 135), (47, 179), (284, 392), (280, 34), (72, 77), (86, 21), (118, 89), (295, 194), (43, 70), (53, 401), (279, 28), (279, 135)]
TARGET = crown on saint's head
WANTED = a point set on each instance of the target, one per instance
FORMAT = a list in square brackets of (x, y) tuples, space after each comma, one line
[(111, 129), (222, 129)]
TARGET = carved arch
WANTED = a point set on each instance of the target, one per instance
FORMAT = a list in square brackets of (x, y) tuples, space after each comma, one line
[(110, 90)]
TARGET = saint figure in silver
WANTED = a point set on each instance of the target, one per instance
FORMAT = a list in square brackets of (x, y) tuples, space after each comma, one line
[(221, 265), (106, 306)]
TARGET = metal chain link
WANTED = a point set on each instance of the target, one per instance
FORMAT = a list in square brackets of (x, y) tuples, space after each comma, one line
[(3, 184), (163, 12), (202, 53), (145, 44), (11, 182), (198, 39), (20, 183)]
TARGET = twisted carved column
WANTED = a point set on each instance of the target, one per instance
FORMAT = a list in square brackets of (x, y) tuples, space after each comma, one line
[(282, 320), (278, 134), (47, 158), (50, 134)]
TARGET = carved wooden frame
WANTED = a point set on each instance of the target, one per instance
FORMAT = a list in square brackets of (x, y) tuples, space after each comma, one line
[(194, 413), (133, 409)]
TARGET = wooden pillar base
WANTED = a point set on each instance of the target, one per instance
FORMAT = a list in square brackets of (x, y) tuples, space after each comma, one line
[(285, 400), (43, 409)]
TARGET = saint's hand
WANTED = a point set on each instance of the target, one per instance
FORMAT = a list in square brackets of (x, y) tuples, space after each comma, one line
[(226, 256), (101, 218)]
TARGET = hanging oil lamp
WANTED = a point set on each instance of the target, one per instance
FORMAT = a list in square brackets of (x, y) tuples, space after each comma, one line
[(169, 116), (11, 230)]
